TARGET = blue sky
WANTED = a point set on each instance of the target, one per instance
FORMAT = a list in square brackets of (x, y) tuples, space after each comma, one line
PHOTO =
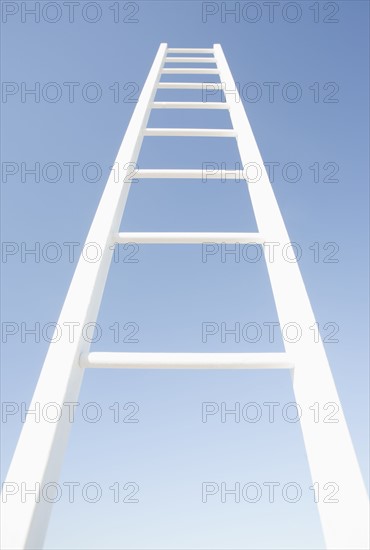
[(169, 292)]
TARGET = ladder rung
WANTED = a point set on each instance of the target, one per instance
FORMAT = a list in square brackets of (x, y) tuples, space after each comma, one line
[(188, 238), (189, 105), (192, 70), (190, 85), (137, 360), (190, 60), (187, 132), (163, 173), (190, 50)]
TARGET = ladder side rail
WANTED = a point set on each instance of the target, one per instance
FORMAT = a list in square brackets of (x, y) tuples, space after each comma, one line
[(330, 452), (39, 453)]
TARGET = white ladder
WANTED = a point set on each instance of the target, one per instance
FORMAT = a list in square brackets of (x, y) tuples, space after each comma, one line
[(40, 449)]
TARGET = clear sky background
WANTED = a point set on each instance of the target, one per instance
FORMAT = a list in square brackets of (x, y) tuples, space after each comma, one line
[(169, 292)]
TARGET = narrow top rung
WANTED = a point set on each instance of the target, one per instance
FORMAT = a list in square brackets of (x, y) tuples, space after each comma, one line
[(190, 70), (189, 105), (190, 50), (190, 60)]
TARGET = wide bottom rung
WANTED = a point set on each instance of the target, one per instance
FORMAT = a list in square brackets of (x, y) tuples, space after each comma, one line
[(189, 238), (190, 132), (203, 174), (216, 361)]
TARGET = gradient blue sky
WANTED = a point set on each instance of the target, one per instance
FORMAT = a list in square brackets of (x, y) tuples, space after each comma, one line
[(170, 292)]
